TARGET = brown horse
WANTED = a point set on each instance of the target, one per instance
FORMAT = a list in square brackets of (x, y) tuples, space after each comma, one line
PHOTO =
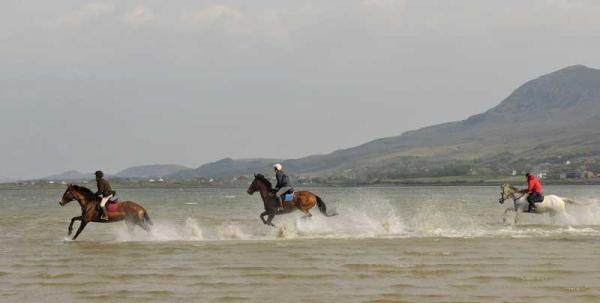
[(129, 211), (303, 200)]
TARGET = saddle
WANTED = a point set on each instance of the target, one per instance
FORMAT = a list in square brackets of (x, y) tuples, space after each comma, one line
[(287, 197), (111, 206)]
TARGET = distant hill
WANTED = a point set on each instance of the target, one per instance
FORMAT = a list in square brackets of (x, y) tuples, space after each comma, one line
[(551, 123), (150, 171), (226, 167), (70, 175), (543, 123), (551, 117)]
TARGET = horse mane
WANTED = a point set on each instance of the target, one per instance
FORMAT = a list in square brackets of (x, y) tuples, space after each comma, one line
[(263, 179), (85, 191)]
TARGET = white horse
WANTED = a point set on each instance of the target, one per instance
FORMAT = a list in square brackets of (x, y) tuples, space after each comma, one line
[(553, 205)]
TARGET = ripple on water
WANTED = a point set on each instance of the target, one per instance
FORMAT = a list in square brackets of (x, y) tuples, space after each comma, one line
[(371, 252), (379, 268), (512, 279)]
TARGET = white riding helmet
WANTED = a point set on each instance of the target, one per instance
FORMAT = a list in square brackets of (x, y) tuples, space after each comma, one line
[(278, 166)]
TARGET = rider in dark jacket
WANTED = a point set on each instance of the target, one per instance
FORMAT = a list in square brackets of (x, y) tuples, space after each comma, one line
[(283, 186), (104, 192)]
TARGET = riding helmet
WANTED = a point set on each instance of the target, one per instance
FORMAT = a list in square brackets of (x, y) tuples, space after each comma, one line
[(99, 174)]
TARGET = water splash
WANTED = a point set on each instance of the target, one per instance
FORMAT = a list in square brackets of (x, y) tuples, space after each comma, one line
[(163, 231), (231, 232), (375, 217)]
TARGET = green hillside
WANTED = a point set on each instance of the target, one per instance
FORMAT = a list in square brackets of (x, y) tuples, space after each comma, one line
[(540, 126)]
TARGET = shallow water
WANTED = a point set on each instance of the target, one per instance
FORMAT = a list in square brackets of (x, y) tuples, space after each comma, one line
[(403, 244)]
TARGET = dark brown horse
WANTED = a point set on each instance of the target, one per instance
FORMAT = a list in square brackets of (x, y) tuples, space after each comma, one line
[(303, 200), (129, 211)]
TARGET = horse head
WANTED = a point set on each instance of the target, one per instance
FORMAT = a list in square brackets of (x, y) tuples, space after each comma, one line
[(81, 194), (253, 186), (503, 193), (259, 183), (507, 191), (67, 197)]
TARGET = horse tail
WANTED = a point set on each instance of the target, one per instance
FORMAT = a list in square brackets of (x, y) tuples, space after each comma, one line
[(323, 207)]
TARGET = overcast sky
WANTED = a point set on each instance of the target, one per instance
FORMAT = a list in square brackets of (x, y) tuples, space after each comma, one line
[(111, 84)]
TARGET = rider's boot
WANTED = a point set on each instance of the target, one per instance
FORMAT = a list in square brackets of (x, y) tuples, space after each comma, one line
[(531, 208), (279, 203), (104, 214)]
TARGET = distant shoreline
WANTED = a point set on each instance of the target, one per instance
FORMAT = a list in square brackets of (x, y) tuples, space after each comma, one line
[(387, 183)]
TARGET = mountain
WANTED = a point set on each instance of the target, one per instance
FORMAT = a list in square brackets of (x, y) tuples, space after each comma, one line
[(551, 123), (150, 171), (70, 176), (542, 123), (226, 167)]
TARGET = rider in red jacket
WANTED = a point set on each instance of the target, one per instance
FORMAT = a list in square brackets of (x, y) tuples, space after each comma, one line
[(534, 189)]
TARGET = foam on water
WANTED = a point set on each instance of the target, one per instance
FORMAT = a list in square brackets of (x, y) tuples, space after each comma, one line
[(587, 213), (373, 218), (377, 218), (162, 231), (231, 232)]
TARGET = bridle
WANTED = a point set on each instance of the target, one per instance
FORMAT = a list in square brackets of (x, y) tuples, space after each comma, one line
[(72, 196), (504, 198)]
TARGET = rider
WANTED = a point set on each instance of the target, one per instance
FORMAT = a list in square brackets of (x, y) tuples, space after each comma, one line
[(283, 184), (534, 189), (105, 192)]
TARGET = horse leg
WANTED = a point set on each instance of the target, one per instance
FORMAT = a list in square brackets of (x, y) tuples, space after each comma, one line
[(307, 214), (262, 217), (144, 225), (141, 221), (80, 229), (71, 225), (516, 215), (269, 219), (505, 212), (552, 214)]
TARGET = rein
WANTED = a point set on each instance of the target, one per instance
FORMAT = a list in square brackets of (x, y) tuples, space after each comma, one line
[(85, 201), (515, 198)]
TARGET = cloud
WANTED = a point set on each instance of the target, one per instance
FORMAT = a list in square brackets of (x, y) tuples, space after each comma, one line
[(263, 26), (393, 8), (139, 15), (568, 4), (386, 4), (213, 14), (86, 12)]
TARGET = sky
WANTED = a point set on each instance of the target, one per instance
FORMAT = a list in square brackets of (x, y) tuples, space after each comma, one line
[(87, 85)]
